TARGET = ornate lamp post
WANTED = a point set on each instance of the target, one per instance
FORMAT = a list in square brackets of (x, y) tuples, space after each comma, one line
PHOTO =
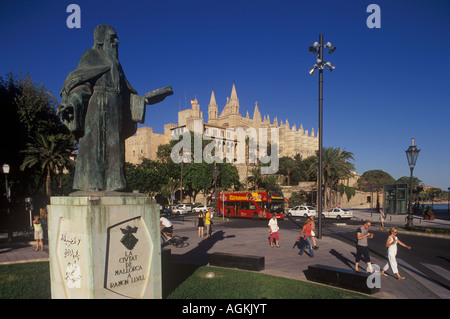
[(412, 153), (317, 48)]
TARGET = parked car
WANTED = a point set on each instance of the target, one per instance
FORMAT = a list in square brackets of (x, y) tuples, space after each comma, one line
[(184, 206), (178, 210), (337, 213), (302, 210), (201, 208)]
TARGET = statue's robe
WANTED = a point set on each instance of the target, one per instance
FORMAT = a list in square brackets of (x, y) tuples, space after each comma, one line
[(106, 110)]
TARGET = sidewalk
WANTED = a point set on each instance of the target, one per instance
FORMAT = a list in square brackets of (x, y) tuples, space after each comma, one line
[(20, 250), (442, 219), (283, 261), (286, 262)]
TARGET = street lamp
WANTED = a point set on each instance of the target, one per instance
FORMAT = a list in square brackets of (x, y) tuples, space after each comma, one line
[(6, 172), (448, 201), (412, 153), (317, 48)]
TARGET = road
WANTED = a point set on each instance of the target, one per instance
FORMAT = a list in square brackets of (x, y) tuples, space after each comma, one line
[(429, 257)]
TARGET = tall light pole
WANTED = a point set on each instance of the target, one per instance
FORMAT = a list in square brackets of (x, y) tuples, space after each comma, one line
[(5, 169), (215, 173), (412, 153), (317, 48), (448, 201)]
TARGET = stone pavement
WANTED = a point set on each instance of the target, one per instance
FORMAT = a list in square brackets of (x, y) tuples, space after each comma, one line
[(286, 262), (283, 261)]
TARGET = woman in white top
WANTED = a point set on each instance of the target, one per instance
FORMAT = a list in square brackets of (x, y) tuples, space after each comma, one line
[(391, 245)]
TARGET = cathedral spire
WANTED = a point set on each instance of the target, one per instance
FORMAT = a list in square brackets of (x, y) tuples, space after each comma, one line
[(212, 107), (212, 101), (233, 102), (234, 94), (256, 114)]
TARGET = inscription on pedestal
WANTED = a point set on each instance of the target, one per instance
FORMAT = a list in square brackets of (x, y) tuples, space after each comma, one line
[(70, 245), (129, 251), (72, 260)]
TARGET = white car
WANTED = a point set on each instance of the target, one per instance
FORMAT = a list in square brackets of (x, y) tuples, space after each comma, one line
[(337, 213), (185, 207), (178, 210), (302, 210), (202, 208)]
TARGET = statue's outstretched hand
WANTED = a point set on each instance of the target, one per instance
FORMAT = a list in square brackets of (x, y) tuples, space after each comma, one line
[(158, 95)]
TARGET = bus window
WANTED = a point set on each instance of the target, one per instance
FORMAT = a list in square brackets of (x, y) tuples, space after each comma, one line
[(277, 207)]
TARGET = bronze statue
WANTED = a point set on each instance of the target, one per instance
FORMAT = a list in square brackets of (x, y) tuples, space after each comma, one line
[(102, 110)]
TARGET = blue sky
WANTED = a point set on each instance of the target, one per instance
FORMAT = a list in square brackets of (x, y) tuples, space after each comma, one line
[(390, 83)]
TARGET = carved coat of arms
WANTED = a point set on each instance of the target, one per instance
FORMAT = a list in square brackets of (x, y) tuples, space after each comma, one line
[(128, 239)]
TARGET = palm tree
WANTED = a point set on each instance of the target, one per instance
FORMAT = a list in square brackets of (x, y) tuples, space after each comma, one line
[(256, 178), (287, 166), (271, 183), (49, 153), (335, 167)]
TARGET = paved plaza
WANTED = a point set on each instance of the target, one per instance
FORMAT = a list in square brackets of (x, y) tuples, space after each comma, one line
[(283, 261)]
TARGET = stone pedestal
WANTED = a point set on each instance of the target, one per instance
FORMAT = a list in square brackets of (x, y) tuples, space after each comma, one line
[(104, 247)]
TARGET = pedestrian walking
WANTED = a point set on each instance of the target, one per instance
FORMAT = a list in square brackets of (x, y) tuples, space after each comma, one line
[(208, 222), (201, 223), (391, 245), (362, 247), (313, 233), (38, 232), (306, 230), (382, 217), (273, 229)]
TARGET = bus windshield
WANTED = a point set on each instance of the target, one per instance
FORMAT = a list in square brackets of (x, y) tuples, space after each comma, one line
[(277, 206)]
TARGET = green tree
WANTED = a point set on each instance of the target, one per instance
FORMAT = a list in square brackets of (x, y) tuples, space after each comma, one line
[(270, 183), (144, 177), (37, 109), (347, 190), (335, 167), (432, 193), (416, 182), (256, 179), (197, 178), (287, 167), (310, 174), (229, 176), (297, 198), (49, 154), (27, 109), (374, 180)]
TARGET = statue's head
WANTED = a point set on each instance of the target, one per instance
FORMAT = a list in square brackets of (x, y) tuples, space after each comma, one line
[(105, 37)]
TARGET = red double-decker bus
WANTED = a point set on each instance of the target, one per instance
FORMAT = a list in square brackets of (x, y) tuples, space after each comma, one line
[(256, 205)]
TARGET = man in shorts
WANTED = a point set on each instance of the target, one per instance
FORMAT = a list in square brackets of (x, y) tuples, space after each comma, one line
[(273, 230), (362, 247)]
